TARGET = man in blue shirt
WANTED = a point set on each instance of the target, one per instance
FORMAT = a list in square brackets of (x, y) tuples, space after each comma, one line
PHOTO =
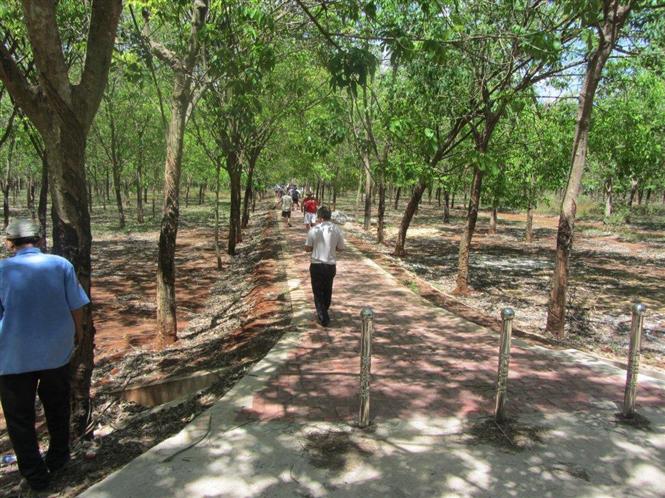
[(41, 305)]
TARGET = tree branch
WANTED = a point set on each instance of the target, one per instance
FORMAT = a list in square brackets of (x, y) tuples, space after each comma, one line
[(151, 68), (52, 71), (99, 49), (8, 128), (24, 94), (156, 48), (318, 25)]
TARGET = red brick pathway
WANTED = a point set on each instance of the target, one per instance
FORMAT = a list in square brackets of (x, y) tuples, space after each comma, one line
[(425, 360)]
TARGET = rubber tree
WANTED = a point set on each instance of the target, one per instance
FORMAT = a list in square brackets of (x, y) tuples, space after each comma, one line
[(426, 129), (607, 25), (61, 103), (245, 56), (184, 96), (113, 142), (629, 126), (498, 79)]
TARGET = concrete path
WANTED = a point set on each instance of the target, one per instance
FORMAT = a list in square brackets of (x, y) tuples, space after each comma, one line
[(287, 429)]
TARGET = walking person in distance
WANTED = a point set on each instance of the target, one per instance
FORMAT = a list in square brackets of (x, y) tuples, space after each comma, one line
[(323, 241), (310, 206), (41, 305), (287, 206)]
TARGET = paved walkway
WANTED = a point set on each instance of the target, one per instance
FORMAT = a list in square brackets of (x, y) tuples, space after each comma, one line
[(287, 429)]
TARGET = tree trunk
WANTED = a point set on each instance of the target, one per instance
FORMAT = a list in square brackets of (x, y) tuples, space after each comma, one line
[(462, 286), (5, 203), (528, 233), (614, 17), (90, 203), (493, 215), (367, 214), (233, 169), (218, 251), (107, 187), (166, 302), (188, 185), (6, 182), (118, 191), (72, 239), (634, 184), (407, 217), (399, 191), (139, 187), (446, 206), (608, 198), (181, 98), (43, 202), (380, 215), (202, 190), (30, 195), (249, 193)]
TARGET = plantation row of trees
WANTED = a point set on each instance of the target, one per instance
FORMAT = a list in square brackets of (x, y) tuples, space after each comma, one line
[(103, 103)]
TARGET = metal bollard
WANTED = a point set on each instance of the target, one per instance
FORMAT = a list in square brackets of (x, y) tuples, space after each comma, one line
[(633, 359), (367, 316), (507, 315)]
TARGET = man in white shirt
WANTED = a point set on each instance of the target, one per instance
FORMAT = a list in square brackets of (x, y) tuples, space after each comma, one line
[(323, 241), (287, 205)]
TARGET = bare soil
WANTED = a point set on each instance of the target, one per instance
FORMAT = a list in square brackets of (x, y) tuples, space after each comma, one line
[(611, 268), (228, 320)]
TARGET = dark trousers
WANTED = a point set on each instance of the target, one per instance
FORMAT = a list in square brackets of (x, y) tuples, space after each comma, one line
[(322, 277), (17, 393)]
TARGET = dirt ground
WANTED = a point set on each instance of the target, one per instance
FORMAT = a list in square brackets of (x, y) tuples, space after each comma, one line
[(228, 320), (611, 268)]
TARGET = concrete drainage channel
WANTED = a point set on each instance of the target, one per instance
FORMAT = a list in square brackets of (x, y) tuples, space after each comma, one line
[(163, 391)]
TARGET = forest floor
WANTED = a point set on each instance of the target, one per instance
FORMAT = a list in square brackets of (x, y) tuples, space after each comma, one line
[(230, 319), (611, 268)]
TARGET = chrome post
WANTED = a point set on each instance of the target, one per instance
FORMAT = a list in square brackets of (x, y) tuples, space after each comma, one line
[(367, 316), (507, 315), (633, 359)]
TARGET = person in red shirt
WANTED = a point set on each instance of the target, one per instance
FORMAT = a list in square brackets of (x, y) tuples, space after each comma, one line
[(310, 206)]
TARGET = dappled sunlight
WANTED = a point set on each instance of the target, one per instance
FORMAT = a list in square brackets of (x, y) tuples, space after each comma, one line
[(288, 428), (418, 459), (418, 364)]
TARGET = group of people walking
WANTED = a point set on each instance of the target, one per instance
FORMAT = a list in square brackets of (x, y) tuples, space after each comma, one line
[(290, 202), (324, 239)]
